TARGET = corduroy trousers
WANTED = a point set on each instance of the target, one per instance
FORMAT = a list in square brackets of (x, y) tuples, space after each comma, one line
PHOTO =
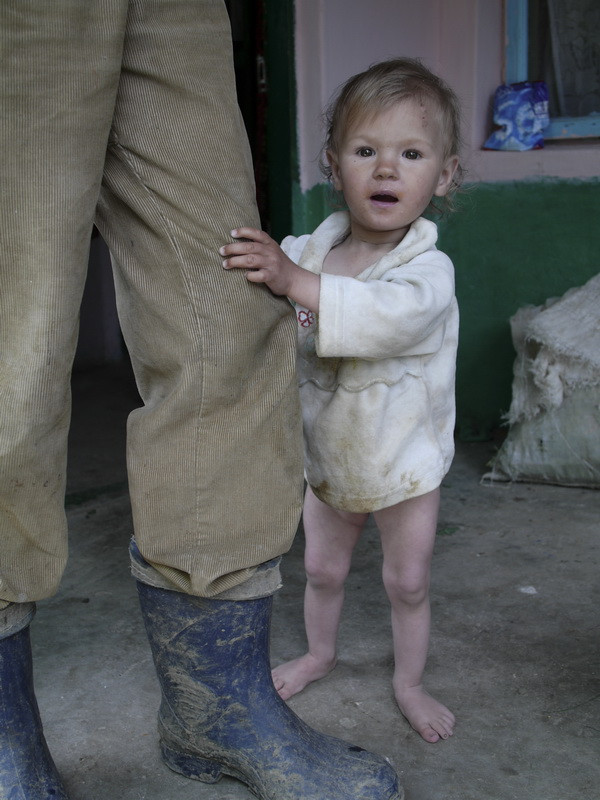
[(123, 113)]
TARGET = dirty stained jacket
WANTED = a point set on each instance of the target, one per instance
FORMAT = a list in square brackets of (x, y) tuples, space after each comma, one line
[(376, 369)]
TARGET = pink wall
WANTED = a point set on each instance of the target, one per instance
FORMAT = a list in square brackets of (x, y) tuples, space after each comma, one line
[(460, 39)]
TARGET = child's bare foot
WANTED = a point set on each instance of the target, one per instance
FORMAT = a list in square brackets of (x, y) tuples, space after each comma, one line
[(428, 717), (293, 676)]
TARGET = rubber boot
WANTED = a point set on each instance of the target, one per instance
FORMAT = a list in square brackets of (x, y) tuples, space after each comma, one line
[(27, 771), (220, 713)]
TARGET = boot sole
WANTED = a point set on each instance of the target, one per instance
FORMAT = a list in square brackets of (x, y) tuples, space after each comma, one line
[(202, 769), (208, 770)]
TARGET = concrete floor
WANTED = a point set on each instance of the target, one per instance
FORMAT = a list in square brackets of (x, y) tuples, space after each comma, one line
[(514, 648)]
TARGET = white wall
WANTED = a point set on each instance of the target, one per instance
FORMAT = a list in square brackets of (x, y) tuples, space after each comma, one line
[(462, 40)]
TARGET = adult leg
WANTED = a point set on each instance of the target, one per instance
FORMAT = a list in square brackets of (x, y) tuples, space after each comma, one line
[(214, 455), (59, 67), (331, 536), (59, 70), (407, 537)]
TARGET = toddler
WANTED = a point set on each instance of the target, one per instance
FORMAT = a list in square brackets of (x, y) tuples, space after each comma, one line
[(378, 324)]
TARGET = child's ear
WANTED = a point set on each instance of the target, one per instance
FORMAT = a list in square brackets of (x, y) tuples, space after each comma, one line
[(446, 175), (335, 169)]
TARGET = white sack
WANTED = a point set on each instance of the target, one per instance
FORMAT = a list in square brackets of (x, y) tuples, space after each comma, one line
[(554, 417)]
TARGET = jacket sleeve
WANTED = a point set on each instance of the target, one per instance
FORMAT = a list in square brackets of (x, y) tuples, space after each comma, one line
[(400, 314)]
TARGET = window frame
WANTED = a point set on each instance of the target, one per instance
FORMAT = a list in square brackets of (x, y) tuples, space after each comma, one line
[(515, 67)]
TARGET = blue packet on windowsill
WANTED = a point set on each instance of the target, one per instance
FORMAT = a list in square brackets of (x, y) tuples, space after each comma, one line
[(520, 116)]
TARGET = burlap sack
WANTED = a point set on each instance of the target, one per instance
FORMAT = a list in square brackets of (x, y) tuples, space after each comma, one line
[(554, 417)]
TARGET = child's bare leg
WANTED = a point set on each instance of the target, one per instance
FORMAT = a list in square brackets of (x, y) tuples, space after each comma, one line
[(407, 536), (330, 539)]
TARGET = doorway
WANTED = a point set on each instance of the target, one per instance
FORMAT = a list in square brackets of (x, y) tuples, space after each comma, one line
[(262, 33)]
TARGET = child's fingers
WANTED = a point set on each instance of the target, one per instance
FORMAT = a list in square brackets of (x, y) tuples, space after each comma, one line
[(236, 249), (250, 233), (241, 259), (234, 262), (238, 256), (242, 248), (257, 276), (252, 250)]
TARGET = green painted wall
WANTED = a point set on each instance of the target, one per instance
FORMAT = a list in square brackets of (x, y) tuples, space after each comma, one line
[(512, 244)]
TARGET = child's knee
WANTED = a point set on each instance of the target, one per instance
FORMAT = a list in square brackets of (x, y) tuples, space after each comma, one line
[(320, 573), (408, 588)]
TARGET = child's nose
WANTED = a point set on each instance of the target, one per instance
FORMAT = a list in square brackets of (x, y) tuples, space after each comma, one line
[(386, 168)]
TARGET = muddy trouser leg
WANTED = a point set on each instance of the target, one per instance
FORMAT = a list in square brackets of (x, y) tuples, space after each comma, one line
[(124, 112), (214, 455), (59, 75)]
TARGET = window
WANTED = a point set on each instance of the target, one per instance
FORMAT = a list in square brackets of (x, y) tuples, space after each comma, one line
[(558, 41)]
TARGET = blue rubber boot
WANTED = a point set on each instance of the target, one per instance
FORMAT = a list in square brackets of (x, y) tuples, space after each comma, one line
[(27, 771), (220, 713)]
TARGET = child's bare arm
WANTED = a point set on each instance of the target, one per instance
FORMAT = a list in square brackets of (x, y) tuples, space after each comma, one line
[(267, 263)]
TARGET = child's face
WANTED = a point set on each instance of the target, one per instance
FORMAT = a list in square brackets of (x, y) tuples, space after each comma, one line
[(388, 166)]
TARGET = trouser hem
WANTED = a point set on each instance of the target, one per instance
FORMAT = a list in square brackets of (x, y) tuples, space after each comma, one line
[(265, 581), (14, 617)]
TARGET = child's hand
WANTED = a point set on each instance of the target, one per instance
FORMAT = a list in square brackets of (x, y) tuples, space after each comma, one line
[(263, 256), (267, 263)]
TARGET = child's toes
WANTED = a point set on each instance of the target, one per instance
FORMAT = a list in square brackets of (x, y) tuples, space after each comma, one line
[(445, 727), (429, 733), (277, 681)]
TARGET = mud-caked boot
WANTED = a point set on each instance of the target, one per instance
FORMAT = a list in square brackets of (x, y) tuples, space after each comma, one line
[(27, 771), (220, 713)]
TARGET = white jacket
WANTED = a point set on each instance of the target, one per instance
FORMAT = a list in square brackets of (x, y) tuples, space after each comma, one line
[(376, 370)]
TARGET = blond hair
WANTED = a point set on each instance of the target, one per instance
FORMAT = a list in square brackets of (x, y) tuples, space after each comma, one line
[(381, 86)]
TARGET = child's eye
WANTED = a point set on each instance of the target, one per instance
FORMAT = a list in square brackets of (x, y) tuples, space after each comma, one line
[(413, 155), (365, 152)]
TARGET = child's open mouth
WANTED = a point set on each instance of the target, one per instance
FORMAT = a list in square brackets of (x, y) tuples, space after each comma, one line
[(383, 198)]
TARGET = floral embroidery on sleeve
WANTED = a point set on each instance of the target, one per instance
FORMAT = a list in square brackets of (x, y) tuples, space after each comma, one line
[(305, 318)]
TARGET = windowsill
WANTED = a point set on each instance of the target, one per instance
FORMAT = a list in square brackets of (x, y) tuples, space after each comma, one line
[(563, 159)]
